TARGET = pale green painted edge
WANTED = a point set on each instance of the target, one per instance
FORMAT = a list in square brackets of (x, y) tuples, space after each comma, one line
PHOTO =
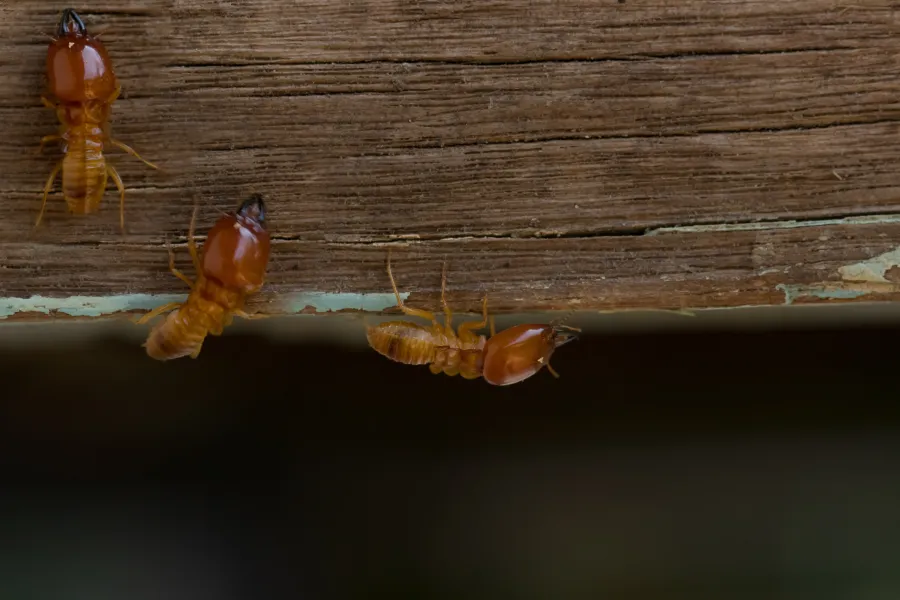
[(96, 306), (85, 306), (331, 302), (792, 292)]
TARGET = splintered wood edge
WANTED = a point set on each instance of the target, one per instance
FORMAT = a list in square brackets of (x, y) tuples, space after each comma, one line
[(682, 269), (822, 300)]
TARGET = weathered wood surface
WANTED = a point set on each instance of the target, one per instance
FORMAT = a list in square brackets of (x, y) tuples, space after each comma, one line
[(561, 154)]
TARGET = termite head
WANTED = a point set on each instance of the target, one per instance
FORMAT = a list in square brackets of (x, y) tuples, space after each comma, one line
[(517, 353), (78, 66), (236, 252)]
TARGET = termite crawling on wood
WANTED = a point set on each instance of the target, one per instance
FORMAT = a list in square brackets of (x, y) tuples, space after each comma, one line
[(80, 78), (513, 355), (231, 267)]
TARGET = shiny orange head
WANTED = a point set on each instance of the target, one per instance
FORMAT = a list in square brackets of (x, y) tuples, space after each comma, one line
[(236, 251), (78, 67), (517, 353)]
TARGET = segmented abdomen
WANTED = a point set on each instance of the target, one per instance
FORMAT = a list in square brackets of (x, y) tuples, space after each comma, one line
[(183, 331), (84, 170), (407, 343)]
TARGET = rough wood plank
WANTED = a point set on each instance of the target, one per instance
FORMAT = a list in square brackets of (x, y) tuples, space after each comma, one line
[(665, 269), (550, 138)]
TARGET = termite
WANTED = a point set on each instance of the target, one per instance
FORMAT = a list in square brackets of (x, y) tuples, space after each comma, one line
[(513, 355), (231, 267), (80, 78)]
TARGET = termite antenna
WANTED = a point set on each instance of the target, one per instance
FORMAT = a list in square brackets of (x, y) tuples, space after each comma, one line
[(563, 334), (69, 16), (101, 30), (559, 323)]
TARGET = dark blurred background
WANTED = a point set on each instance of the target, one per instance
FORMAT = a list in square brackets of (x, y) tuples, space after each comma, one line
[(741, 462)]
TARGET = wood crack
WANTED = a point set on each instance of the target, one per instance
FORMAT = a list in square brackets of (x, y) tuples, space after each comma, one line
[(587, 137), (500, 62), (723, 227)]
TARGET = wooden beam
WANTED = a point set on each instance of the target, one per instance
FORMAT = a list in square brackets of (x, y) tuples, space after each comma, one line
[(575, 154)]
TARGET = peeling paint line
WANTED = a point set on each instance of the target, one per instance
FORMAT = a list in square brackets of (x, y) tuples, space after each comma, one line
[(874, 270), (96, 306), (677, 312), (858, 280), (793, 292), (330, 302), (85, 306), (791, 224)]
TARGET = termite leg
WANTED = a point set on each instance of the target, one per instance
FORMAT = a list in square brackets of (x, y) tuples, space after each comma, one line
[(47, 102), (552, 372), (46, 140), (192, 245), (47, 187), (118, 91), (121, 186), (157, 311), (466, 328), (413, 312), (448, 315), (130, 150), (493, 329), (244, 315), (172, 268)]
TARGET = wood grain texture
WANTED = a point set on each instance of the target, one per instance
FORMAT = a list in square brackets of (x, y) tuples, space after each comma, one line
[(560, 153)]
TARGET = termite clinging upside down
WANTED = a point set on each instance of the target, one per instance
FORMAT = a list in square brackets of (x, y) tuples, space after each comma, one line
[(232, 266), (80, 77), (511, 356)]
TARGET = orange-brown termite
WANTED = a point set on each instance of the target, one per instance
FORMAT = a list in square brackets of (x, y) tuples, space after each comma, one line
[(80, 78), (231, 267), (508, 357)]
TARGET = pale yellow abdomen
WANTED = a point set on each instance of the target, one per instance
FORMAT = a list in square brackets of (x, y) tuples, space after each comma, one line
[(84, 173), (400, 341)]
